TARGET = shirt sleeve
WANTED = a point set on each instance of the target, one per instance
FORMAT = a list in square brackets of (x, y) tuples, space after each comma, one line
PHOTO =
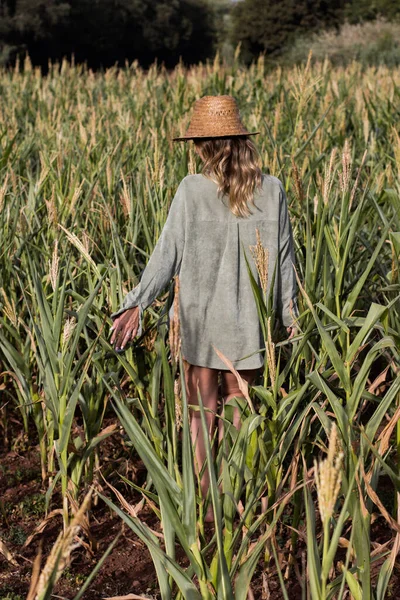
[(164, 261), (287, 289)]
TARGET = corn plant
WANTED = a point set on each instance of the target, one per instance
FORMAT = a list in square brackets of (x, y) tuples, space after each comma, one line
[(87, 174)]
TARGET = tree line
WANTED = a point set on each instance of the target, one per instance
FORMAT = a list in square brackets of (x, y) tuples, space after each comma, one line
[(107, 32)]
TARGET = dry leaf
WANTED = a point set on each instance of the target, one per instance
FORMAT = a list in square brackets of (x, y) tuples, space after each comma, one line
[(128, 597), (42, 525), (7, 554), (374, 497), (378, 380), (242, 383)]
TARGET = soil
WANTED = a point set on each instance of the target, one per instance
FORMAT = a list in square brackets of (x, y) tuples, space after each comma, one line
[(128, 568)]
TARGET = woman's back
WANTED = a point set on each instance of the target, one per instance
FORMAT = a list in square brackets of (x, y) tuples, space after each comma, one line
[(205, 205), (216, 301)]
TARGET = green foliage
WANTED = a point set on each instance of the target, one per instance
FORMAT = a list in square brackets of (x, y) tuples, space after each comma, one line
[(371, 43), (105, 33), (359, 11), (16, 535), (9, 595), (268, 26)]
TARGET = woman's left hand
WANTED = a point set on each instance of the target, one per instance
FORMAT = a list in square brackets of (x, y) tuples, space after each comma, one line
[(125, 327)]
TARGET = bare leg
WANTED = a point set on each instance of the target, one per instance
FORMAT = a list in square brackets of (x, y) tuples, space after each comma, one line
[(230, 389), (207, 381)]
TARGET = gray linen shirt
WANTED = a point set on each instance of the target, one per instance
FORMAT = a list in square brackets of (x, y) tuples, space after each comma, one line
[(202, 242)]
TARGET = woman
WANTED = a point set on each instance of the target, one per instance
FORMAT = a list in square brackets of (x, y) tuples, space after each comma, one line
[(214, 219)]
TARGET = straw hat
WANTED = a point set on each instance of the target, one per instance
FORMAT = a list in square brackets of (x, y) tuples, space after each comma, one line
[(215, 116)]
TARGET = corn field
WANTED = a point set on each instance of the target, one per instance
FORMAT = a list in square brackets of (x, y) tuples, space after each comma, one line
[(87, 174)]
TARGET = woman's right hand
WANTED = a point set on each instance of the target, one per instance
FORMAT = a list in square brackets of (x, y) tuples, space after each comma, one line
[(125, 327), (292, 331)]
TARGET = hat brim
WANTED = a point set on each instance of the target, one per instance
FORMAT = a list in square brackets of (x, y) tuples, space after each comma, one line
[(210, 137)]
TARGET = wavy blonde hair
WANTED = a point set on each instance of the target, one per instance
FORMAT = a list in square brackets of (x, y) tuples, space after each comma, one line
[(234, 163)]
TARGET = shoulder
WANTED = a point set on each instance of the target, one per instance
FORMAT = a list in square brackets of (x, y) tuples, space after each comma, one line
[(272, 183), (181, 190), (194, 180), (189, 182), (185, 194), (275, 190), (272, 192), (191, 186)]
